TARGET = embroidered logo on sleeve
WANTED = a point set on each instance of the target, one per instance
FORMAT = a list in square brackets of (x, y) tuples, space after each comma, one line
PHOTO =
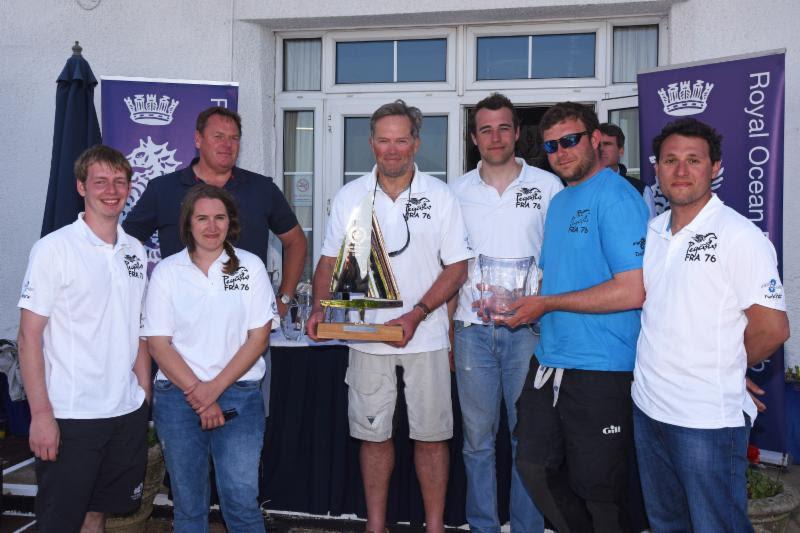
[(529, 197), (773, 289), (27, 291), (580, 221), (134, 265), (638, 247), (419, 208), (702, 248), (238, 281)]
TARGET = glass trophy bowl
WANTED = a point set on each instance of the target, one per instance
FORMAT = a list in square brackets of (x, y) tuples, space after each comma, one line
[(501, 281)]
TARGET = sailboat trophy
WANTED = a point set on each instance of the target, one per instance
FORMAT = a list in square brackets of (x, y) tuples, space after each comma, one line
[(362, 279)]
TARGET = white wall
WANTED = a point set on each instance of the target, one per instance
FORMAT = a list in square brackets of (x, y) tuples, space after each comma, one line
[(706, 29)]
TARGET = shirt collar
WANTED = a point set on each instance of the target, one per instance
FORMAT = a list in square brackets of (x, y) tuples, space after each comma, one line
[(663, 225), (183, 259), (86, 232), (521, 177), (418, 184), (188, 177)]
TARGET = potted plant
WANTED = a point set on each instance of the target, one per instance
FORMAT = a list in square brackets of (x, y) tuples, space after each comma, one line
[(136, 522), (770, 503)]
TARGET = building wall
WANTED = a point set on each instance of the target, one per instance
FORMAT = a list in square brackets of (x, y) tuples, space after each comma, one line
[(234, 40)]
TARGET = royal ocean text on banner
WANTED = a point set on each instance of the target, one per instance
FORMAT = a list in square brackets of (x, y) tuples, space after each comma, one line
[(152, 122), (743, 99)]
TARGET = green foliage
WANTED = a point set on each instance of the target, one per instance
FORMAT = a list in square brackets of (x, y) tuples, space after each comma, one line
[(793, 373), (760, 485)]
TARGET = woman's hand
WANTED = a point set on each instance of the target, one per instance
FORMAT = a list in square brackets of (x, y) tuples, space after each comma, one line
[(202, 395), (212, 417)]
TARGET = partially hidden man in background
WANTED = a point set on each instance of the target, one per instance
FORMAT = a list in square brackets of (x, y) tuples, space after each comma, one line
[(427, 246), (504, 202), (85, 370)]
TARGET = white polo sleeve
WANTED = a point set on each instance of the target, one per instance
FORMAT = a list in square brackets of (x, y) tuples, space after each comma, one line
[(261, 308), (754, 274), (158, 314), (454, 245), (44, 278)]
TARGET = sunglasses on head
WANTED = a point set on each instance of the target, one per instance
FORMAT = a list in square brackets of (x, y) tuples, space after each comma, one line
[(567, 141)]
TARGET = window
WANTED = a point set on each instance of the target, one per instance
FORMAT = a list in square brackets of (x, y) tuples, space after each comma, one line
[(635, 49), (298, 174), (398, 61), (570, 55), (302, 64)]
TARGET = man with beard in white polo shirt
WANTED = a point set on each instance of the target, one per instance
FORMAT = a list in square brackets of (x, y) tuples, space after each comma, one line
[(504, 202), (427, 246), (86, 373), (714, 307)]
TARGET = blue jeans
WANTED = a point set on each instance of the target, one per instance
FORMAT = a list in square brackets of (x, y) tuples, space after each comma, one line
[(692, 479), (235, 449), (490, 362)]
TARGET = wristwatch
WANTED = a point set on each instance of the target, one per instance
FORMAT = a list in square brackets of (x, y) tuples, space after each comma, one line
[(284, 298), (426, 311)]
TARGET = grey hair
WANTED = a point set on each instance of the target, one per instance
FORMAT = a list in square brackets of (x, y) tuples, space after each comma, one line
[(397, 108)]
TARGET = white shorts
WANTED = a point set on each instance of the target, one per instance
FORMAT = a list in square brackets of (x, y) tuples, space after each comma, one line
[(372, 395)]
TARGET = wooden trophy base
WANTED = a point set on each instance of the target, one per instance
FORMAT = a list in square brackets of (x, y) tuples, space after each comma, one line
[(359, 332)]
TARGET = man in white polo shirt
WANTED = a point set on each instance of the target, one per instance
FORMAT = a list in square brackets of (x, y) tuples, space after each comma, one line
[(714, 306), (427, 246), (504, 202), (85, 371)]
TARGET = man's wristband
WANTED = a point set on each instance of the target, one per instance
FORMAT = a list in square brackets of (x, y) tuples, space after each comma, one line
[(426, 311)]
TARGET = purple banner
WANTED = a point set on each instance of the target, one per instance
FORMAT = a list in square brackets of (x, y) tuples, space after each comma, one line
[(743, 99), (152, 122)]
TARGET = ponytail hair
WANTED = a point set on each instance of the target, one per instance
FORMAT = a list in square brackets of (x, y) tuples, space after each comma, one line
[(203, 190)]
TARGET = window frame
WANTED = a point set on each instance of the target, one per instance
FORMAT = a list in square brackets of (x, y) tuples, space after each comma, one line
[(330, 39), (472, 33)]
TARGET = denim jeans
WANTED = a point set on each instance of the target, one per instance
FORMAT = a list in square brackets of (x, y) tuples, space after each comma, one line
[(692, 479), (490, 362), (235, 449)]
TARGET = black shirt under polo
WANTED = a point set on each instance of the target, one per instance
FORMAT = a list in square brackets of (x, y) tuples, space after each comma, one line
[(262, 207)]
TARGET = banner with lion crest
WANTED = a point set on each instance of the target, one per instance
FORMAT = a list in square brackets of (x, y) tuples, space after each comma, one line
[(743, 99), (152, 122)]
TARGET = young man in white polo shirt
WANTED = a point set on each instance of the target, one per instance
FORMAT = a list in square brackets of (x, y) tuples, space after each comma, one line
[(85, 371), (714, 306), (427, 246), (504, 202)]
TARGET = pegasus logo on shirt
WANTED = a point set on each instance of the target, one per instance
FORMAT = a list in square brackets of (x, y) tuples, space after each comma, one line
[(238, 281), (702, 248), (774, 290), (580, 221), (529, 197), (134, 265), (638, 247), (418, 208)]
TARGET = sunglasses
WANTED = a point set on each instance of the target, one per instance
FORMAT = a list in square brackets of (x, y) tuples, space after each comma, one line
[(567, 141)]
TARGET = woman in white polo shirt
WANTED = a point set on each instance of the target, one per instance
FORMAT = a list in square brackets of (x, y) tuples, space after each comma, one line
[(208, 315)]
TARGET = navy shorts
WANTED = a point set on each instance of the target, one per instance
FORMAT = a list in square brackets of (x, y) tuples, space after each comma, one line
[(100, 468)]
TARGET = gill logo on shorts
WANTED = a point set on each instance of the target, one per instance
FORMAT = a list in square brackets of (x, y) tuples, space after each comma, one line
[(611, 430)]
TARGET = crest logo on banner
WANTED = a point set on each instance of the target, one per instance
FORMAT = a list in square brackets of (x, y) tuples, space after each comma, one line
[(150, 111), (682, 99)]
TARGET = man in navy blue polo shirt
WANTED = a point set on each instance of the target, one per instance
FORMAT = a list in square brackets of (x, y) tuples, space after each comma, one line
[(262, 206)]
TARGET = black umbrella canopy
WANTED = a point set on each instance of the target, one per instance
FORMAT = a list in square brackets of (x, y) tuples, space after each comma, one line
[(76, 129)]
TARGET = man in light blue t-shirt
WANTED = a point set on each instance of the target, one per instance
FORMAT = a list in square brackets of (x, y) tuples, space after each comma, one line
[(574, 425)]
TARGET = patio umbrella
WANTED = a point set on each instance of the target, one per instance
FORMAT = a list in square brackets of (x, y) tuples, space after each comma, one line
[(76, 129)]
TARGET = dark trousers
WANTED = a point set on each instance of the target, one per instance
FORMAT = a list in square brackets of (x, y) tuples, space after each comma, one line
[(573, 457)]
